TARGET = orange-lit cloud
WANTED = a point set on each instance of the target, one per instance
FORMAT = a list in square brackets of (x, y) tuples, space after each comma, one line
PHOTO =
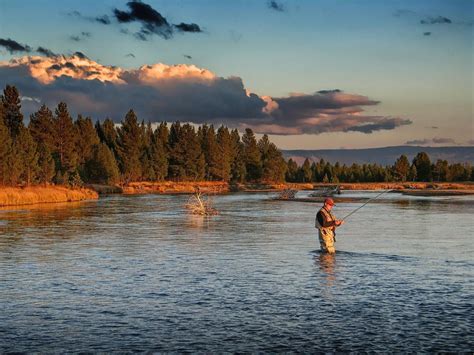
[(186, 93)]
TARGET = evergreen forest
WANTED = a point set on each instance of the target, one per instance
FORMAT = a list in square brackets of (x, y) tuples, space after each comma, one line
[(54, 148)]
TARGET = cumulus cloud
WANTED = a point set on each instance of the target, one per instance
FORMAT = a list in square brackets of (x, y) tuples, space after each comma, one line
[(276, 6), (186, 93), (152, 22)]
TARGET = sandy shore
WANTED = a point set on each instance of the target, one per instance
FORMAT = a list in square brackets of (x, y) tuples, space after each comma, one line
[(14, 196)]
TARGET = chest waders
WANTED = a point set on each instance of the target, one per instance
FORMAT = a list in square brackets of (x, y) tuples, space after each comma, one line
[(327, 235)]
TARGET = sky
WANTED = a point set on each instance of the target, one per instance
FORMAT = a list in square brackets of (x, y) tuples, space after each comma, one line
[(311, 74)]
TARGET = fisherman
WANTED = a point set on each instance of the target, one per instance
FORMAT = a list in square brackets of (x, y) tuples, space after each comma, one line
[(326, 223)]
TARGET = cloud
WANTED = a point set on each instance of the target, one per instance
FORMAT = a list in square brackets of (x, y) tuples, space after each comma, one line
[(45, 51), (104, 19), (153, 23), (187, 56), (77, 38), (418, 142), (435, 20), (275, 5), (188, 27), (426, 33), (130, 55), (470, 142), (13, 46), (436, 140), (186, 93)]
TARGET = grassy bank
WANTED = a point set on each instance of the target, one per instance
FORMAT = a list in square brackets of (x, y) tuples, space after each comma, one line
[(217, 187), (13, 196)]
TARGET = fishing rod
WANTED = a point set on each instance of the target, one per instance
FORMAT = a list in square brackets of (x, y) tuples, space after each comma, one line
[(358, 208)]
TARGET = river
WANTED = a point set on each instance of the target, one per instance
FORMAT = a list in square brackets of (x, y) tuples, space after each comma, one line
[(137, 273)]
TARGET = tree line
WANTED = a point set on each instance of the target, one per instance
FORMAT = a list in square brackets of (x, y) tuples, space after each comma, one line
[(54, 148), (420, 169)]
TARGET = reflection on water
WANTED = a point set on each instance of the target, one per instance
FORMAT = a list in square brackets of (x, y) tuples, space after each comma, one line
[(137, 273), (327, 264)]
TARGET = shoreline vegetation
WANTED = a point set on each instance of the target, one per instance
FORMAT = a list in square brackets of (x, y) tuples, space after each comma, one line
[(15, 196), (56, 155)]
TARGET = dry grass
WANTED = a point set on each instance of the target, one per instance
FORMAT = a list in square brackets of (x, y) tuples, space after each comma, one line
[(172, 187), (12, 196)]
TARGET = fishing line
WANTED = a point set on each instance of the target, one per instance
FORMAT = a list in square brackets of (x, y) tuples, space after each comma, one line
[(358, 208)]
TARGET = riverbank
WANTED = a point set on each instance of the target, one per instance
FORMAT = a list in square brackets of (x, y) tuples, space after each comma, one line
[(218, 187), (14, 196), (11, 196)]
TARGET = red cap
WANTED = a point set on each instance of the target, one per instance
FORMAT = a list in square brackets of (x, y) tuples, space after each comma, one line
[(329, 201)]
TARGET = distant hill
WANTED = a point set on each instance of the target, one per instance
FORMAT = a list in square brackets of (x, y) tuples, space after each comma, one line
[(383, 156)]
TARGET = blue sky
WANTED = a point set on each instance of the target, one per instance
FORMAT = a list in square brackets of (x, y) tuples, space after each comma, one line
[(376, 49)]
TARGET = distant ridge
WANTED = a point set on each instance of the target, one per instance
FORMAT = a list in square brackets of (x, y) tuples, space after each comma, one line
[(383, 156)]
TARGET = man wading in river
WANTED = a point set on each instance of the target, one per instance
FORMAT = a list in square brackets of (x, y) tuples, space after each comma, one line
[(326, 224)]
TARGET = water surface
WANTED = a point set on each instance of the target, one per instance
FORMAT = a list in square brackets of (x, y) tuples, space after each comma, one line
[(139, 273)]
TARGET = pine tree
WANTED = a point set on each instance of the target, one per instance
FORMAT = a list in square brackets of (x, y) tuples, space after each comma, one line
[(46, 164), (441, 170), (28, 155), (238, 172), (273, 164), (211, 151), (159, 154), (41, 127), (305, 172), (253, 164), (5, 151), (148, 173), (12, 116), (102, 167), (412, 173), (128, 148), (176, 153), (423, 167), (292, 172), (107, 134), (86, 138), (194, 162), (227, 155), (64, 142), (401, 168)]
